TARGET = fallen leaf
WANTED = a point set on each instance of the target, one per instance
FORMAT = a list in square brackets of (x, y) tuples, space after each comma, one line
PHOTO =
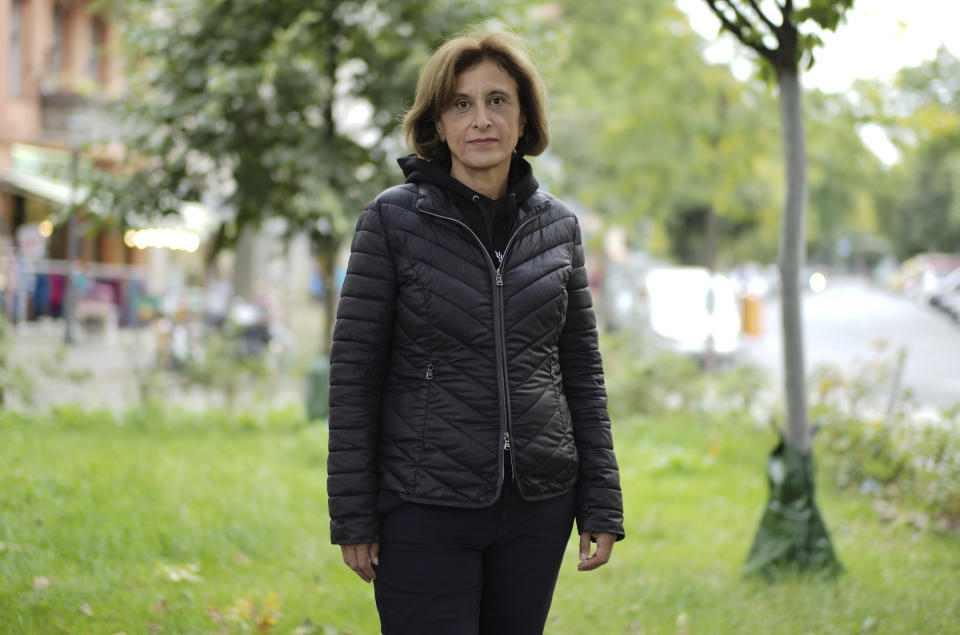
[(86, 610), (242, 609), (41, 582), (214, 614), (154, 628), (161, 606), (241, 559)]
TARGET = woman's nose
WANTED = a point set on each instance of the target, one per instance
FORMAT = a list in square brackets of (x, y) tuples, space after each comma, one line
[(482, 119)]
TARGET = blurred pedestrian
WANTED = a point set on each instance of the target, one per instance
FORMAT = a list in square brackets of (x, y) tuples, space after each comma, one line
[(468, 418)]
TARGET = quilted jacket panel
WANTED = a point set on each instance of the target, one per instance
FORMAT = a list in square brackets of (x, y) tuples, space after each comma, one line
[(437, 354)]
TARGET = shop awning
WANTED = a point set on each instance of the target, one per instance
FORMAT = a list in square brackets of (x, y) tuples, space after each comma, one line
[(194, 217), (39, 186)]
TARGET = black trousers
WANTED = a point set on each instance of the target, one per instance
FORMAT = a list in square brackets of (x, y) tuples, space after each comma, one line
[(455, 571)]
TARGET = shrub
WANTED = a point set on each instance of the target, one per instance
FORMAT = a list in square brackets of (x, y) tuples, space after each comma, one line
[(877, 438)]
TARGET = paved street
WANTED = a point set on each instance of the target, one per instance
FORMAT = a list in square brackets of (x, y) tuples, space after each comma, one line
[(843, 322)]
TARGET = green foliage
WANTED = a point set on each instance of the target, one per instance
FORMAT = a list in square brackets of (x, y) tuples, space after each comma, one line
[(891, 451), (663, 130), (224, 365), (15, 381), (843, 176), (918, 199), (794, 30), (827, 14), (644, 380), (253, 105)]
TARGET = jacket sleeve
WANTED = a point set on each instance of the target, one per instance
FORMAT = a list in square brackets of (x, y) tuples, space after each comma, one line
[(599, 500), (358, 361)]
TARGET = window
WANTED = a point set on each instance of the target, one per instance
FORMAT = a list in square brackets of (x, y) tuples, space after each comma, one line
[(56, 51), (95, 65), (16, 13)]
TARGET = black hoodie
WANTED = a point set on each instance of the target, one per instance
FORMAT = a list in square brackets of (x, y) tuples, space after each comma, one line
[(491, 220)]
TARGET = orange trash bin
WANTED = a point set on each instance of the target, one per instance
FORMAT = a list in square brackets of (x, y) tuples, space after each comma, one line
[(751, 314)]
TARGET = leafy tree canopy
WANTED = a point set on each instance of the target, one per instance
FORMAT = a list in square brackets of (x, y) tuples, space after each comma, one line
[(270, 109)]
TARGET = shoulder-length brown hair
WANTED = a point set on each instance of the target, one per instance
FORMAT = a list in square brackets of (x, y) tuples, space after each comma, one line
[(438, 81)]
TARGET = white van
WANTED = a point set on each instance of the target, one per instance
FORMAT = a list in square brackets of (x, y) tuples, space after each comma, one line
[(688, 308)]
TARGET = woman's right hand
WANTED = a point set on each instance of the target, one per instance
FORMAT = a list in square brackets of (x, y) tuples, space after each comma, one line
[(362, 558)]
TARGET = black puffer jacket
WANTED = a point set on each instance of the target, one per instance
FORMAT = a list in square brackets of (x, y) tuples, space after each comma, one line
[(440, 358)]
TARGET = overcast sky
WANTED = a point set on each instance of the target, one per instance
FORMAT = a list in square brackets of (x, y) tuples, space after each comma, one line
[(878, 38)]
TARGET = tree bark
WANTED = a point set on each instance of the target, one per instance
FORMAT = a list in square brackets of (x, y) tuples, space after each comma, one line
[(243, 264), (70, 282), (329, 256), (792, 247)]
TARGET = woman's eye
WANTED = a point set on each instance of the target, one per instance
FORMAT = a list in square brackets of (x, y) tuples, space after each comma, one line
[(496, 101), (462, 103)]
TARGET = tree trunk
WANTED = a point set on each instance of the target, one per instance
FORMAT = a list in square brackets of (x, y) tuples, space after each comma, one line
[(792, 247), (243, 264), (329, 245), (70, 282)]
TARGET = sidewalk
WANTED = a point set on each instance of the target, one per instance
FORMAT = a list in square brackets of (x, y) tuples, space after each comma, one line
[(102, 371)]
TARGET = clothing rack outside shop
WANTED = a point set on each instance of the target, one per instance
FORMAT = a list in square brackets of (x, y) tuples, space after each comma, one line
[(35, 289)]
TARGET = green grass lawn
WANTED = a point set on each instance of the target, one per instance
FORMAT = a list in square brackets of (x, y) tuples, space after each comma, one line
[(201, 524)]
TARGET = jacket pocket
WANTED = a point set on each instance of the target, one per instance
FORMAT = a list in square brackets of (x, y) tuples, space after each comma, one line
[(556, 380), (427, 392), (564, 301)]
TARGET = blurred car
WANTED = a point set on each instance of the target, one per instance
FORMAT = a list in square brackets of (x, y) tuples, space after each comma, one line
[(690, 310), (946, 295), (920, 276)]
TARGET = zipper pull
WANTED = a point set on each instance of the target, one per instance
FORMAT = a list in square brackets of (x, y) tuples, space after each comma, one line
[(429, 371), (506, 440), (499, 279)]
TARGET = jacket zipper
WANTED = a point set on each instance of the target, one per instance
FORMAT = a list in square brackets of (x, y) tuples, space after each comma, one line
[(501, 343)]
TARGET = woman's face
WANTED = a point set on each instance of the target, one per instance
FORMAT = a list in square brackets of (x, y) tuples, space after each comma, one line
[(483, 123)]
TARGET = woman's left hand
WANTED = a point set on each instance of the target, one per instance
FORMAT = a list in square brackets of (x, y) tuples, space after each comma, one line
[(601, 555)]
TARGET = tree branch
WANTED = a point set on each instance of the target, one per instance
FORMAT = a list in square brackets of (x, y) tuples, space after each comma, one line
[(786, 10), (763, 16), (765, 52)]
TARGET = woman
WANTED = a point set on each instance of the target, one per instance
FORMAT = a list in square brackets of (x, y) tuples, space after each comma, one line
[(468, 420)]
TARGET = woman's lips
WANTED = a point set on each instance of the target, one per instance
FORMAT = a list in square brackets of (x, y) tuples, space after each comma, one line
[(482, 142)]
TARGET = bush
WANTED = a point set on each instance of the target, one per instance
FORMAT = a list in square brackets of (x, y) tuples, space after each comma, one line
[(878, 439), (643, 380)]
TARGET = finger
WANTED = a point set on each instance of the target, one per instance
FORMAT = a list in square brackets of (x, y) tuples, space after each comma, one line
[(375, 554), (602, 555), (353, 556), (347, 553), (584, 546), (604, 548), (365, 569)]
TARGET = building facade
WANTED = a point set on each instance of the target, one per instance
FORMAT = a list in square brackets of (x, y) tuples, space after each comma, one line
[(60, 62)]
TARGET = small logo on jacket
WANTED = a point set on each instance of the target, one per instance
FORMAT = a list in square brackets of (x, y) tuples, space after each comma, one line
[(499, 255)]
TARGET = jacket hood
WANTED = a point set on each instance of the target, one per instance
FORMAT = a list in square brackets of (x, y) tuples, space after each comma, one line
[(520, 182)]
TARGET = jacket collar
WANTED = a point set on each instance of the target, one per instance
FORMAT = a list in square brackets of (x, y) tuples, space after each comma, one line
[(432, 199), (435, 188)]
